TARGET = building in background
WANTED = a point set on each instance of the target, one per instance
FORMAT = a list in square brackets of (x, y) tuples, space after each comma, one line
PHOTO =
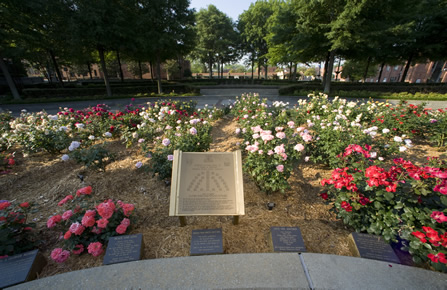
[(430, 72)]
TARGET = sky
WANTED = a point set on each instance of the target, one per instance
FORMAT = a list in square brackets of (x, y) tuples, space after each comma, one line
[(233, 8)]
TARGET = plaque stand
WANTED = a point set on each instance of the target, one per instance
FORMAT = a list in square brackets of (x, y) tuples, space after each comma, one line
[(207, 184), (182, 221)]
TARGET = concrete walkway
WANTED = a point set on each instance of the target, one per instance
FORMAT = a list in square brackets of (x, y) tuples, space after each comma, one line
[(247, 271), (213, 96)]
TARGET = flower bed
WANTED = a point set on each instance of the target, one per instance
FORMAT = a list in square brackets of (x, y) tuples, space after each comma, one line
[(367, 189)]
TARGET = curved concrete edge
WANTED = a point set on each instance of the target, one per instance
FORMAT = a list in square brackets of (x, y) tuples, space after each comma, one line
[(242, 271), (341, 272), (201, 272)]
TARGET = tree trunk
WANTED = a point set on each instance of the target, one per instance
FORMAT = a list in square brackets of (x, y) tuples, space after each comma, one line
[(160, 90), (89, 70), (407, 67), (252, 68), (119, 65), (221, 70), (266, 72), (295, 67), (259, 70), (151, 67), (104, 70), (56, 67), (210, 63), (11, 84), (290, 70), (48, 68), (381, 71), (326, 63), (330, 67), (141, 71), (366, 69)]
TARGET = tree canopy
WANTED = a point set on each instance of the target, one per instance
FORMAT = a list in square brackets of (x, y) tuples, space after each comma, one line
[(77, 33)]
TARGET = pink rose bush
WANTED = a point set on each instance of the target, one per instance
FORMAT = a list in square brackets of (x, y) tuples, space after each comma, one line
[(86, 227), (272, 143)]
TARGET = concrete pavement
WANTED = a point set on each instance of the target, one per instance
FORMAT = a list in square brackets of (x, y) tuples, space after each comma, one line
[(247, 271), (212, 96)]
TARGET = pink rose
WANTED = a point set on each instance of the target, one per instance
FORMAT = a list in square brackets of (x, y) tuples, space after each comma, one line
[(125, 222), (280, 168), (88, 221), (121, 229), (102, 223), (299, 147), (77, 228), (67, 215), (52, 221), (79, 249), (59, 255), (95, 249), (67, 198)]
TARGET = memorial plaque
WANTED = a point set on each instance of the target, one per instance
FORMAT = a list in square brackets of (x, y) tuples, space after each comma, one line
[(207, 183), (287, 239), (206, 242), (372, 247), (20, 268), (124, 249)]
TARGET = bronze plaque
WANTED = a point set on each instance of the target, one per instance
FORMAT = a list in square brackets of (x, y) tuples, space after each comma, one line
[(372, 247), (124, 249), (207, 183), (287, 239), (206, 242), (20, 268)]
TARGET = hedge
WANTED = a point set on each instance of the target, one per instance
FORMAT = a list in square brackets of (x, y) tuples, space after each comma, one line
[(372, 87), (92, 91)]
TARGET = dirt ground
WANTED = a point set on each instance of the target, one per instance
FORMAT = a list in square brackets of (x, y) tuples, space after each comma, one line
[(45, 180)]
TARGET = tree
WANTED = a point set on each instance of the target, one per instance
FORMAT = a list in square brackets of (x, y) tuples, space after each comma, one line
[(8, 37), (136, 68), (172, 68), (355, 70), (38, 27), (299, 30), (254, 27), (423, 32), (102, 25), (169, 26), (216, 38)]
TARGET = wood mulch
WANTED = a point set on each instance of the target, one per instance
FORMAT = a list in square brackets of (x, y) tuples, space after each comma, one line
[(45, 179)]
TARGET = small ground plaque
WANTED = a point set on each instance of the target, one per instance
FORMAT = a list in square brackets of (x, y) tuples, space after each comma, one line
[(20, 268), (287, 239), (124, 249), (206, 242), (372, 247), (207, 183)]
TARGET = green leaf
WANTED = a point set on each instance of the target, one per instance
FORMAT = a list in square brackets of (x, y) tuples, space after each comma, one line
[(389, 195), (377, 205), (399, 205), (444, 200)]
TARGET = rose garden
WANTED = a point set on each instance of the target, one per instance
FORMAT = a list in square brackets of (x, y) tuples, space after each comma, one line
[(71, 181)]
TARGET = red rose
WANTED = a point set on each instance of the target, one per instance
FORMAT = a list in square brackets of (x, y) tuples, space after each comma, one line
[(84, 191), (24, 204)]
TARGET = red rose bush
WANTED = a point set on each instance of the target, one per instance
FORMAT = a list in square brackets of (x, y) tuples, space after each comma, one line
[(403, 201)]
